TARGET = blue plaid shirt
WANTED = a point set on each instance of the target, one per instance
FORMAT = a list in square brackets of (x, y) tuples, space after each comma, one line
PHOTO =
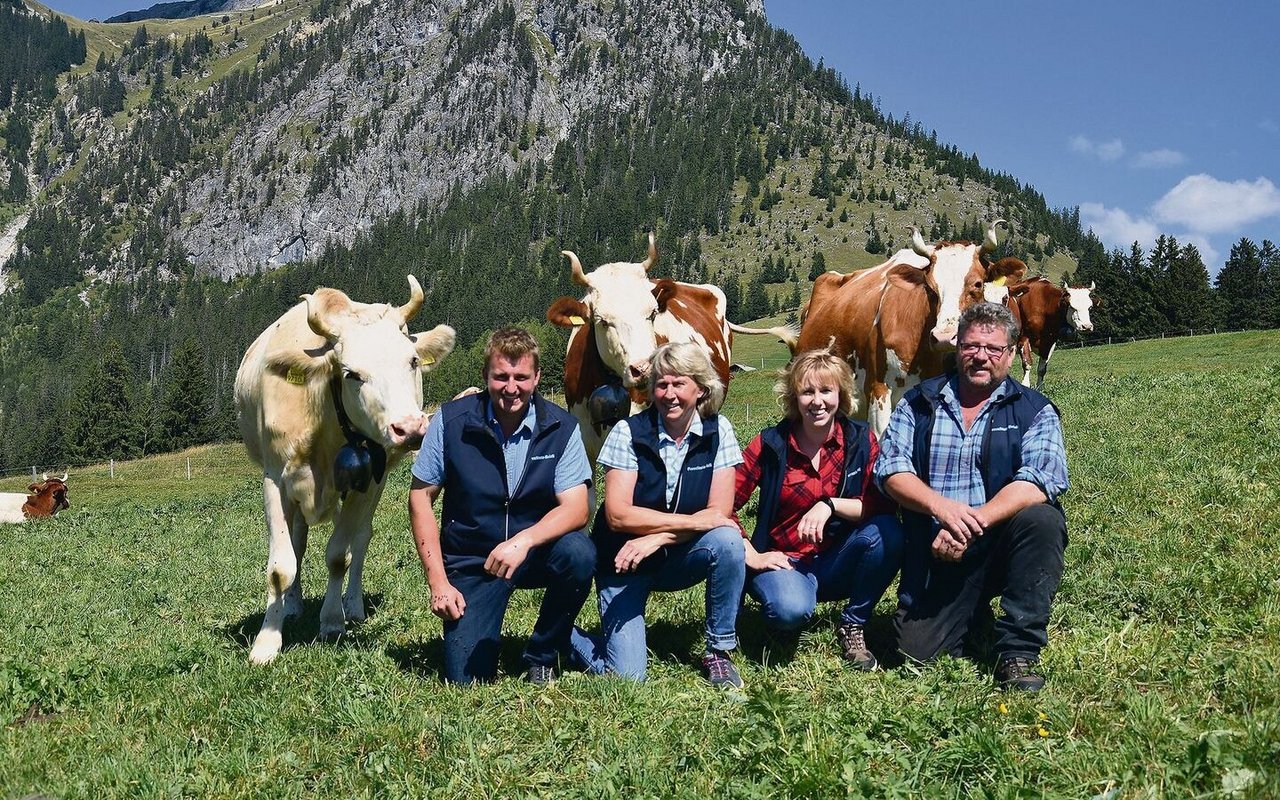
[(617, 451), (954, 453)]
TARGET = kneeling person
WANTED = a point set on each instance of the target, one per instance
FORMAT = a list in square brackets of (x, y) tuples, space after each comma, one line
[(516, 481)]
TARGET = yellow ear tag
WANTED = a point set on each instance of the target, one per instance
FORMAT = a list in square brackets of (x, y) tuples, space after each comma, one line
[(296, 376), (576, 320), (427, 361), (1000, 281)]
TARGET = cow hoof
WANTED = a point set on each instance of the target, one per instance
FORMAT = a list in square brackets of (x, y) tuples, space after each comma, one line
[(331, 637), (354, 610), (265, 649)]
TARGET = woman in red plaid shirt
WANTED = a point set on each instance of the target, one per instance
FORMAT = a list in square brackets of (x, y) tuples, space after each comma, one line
[(823, 530)]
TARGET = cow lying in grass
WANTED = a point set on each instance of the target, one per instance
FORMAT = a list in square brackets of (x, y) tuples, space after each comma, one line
[(43, 499)]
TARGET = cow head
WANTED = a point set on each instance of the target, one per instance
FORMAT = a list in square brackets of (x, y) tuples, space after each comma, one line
[(620, 306), (1078, 305), (50, 494), (378, 362), (954, 276)]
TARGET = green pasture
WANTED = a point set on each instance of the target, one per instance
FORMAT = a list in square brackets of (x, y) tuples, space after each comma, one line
[(127, 619)]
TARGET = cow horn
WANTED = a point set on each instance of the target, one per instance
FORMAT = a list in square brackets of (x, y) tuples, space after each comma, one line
[(409, 309), (579, 277), (63, 478), (46, 477), (317, 317), (918, 245), (990, 243), (1093, 285), (653, 255)]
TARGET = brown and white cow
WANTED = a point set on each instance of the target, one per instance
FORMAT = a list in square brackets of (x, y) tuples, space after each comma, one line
[(43, 499), (1046, 309), (895, 322), (331, 390), (624, 316)]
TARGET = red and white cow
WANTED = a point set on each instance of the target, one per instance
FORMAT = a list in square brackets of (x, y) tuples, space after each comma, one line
[(1046, 309), (330, 399), (624, 316), (895, 322), (43, 499)]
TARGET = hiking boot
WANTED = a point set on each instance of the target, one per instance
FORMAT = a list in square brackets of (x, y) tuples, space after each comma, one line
[(720, 671), (1018, 673), (540, 674), (853, 646)]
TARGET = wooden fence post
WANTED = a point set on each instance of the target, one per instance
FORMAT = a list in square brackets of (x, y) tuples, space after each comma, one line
[(112, 467)]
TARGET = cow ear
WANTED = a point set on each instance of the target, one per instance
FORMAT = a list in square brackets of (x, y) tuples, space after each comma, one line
[(568, 312), (1009, 268), (663, 291), (905, 276), (33, 488), (434, 345)]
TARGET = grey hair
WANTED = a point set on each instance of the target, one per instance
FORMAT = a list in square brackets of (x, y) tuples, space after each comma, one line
[(691, 361), (988, 315)]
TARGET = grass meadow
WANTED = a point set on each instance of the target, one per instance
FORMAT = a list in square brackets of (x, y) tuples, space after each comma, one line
[(126, 623)]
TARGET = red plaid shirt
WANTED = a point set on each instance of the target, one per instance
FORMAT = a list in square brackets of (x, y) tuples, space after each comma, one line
[(803, 486)]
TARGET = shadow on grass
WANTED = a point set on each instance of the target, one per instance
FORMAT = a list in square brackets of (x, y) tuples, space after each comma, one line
[(301, 630)]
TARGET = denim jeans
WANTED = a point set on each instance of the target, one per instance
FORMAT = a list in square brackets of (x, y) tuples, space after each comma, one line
[(1020, 561), (471, 644), (858, 569), (716, 556)]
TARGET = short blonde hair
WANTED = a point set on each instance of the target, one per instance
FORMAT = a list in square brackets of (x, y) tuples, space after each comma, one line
[(691, 361), (792, 378)]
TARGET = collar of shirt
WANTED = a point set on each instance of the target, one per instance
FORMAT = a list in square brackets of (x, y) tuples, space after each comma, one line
[(524, 428), (695, 430), (831, 445)]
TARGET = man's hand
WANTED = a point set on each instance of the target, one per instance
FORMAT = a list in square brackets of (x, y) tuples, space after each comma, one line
[(813, 523), (769, 561), (506, 558), (709, 519), (637, 549), (447, 602), (960, 520), (947, 547)]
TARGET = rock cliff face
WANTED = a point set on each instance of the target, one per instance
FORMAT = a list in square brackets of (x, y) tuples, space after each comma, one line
[(402, 101)]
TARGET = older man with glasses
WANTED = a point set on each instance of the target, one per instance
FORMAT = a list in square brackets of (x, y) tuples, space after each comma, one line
[(977, 462)]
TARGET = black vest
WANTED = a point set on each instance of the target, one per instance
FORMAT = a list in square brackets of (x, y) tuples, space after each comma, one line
[(479, 509), (1001, 455), (773, 465), (693, 489)]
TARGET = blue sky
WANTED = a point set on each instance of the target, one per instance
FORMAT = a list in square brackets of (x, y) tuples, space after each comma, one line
[(1152, 116)]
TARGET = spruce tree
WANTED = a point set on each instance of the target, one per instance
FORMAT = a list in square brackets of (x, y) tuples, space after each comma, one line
[(104, 423), (1240, 287), (186, 407)]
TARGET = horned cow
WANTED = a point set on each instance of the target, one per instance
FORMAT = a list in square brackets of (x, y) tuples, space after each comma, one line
[(42, 499)]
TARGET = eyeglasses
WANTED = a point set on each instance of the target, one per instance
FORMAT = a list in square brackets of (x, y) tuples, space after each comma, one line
[(992, 350)]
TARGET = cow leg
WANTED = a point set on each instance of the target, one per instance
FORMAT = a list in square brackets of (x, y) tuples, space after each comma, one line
[(353, 523), (879, 407), (1024, 352), (1044, 365), (282, 570), (361, 532), (298, 534)]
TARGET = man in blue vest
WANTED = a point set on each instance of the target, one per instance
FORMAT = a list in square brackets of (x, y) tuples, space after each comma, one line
[(516, 487), (977, 463)]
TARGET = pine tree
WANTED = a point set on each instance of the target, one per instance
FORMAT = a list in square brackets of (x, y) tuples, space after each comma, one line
[(756, 304), (1269, 256), (104, 421), (186, 408), (1240, 288), (817, 266)]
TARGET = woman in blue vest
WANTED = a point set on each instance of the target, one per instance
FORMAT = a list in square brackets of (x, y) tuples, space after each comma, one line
[(823, 529), (666, 521)]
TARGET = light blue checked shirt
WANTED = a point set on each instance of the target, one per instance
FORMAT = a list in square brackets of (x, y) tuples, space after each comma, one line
[(955, 470), (617, 451)]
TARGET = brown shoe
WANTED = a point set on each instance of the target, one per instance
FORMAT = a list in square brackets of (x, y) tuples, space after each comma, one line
[(853, 646)]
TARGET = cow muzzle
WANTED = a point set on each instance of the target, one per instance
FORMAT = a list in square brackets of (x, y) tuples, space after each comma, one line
[(408, 432), (637, 374)]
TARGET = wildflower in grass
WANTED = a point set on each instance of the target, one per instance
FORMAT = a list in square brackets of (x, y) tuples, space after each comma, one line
[(1043, 733), (1003, 708)]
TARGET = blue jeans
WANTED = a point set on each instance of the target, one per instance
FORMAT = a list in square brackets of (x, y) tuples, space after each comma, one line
[(716, 556), (471, 644), (858, 569)]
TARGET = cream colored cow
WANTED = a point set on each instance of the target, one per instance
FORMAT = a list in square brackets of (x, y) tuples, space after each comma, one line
[(331, 379)]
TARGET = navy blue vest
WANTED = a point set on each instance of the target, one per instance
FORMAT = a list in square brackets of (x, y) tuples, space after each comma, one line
[(1001, 455), (693, 489), (773, 464), (480, 510)]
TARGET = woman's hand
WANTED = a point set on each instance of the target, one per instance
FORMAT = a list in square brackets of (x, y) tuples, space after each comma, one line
[(768, 561), (814, 521), (636, 550)]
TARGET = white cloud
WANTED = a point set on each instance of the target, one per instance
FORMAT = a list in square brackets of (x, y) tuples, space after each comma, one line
[(1208, 253), (1157, 159), (1204, 204), (1103, 151), (1116, 228)]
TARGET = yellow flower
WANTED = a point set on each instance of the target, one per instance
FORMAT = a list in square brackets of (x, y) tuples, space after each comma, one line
[(1043, 733), (1043, 716), (1004, 709)]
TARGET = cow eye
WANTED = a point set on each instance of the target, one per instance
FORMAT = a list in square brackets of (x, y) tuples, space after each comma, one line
[(353, 376)]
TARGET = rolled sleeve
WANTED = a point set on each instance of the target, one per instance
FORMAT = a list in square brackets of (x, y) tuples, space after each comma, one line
[(428, 467), (573, 467), (1044, 455), (729, 454), (896, 445), (617, 452)]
